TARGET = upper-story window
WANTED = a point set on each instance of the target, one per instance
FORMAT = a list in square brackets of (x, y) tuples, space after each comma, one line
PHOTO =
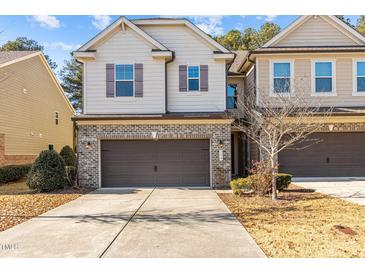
[(360, 76), (231, 96), (56, 117), (324, 81), (193, 78), (281, 77), (124, 80)]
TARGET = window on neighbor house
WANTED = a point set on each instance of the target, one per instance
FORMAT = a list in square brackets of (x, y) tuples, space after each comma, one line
[(56, 117), (323, 77), (360, 76), (281, 77), (124, 80), (193, 78), (231, 96)]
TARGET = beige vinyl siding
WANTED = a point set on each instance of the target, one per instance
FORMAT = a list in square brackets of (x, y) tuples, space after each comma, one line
[(125, 48), (303, 78), (315, 32), (190, 49), (28, 100)]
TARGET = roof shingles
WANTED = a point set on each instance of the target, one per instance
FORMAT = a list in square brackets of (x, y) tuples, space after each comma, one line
[(7, 56)]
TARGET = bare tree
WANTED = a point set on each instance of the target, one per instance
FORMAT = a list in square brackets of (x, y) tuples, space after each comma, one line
[(280, 121)]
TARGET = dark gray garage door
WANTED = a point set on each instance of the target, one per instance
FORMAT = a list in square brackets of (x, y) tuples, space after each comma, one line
[(155, 163), (337, 155)]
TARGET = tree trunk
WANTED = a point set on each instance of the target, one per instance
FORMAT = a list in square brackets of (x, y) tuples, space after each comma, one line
[(274, 172)]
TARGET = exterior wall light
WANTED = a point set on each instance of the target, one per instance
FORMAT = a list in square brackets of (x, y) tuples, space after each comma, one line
[(220, 144), (330, 127), (88, 145)]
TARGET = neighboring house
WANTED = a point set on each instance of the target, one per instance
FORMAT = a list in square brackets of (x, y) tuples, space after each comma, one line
[(154, 106), (34, 112), (322, 58)]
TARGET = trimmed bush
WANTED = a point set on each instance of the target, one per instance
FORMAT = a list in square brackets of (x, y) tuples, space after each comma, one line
[(48, 172), (13, 172), (241, 185), (283, 180), (71, 173), (68, 156)]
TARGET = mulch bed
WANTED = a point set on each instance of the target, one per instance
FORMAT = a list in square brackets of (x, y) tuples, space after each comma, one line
[(302, 223), (18, 203)]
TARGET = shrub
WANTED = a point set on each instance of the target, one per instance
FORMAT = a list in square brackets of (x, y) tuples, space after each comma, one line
[(71, 173), (68, 156), (48, 172), (13, 172), (283, 180), (261, 178), (241, 185)]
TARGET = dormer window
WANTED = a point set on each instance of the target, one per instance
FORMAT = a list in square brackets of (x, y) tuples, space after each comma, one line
[(124, 80), (193, 78)]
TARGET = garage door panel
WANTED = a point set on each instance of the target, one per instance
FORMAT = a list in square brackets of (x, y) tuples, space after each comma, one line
[(336, 155), (155, 163)]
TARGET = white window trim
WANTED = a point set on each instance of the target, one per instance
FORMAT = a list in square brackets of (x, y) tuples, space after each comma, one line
[(115, 80), (354, 82), (313, 78), (188, 78), (271, 72)]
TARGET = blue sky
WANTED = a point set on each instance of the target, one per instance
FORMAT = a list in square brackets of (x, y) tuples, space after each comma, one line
[(62, 34)]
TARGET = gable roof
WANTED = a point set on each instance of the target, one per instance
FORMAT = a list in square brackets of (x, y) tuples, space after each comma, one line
[(10, 57), (336, 22), (240, 58), (182, 21), (121, 20)]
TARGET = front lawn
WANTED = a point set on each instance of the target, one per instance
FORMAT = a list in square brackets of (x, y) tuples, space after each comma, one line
[(302, 223), (18, 203)]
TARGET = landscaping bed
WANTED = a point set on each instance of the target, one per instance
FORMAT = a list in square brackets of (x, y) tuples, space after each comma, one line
[(302, 223), (19, 203)]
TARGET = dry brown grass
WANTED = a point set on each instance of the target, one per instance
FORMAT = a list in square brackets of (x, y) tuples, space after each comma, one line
[(301, 224), (18, 203)]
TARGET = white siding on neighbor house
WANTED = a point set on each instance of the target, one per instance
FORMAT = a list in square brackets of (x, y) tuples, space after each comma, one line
[(125, 48), (344, 78), (191, 49), (315, 32)]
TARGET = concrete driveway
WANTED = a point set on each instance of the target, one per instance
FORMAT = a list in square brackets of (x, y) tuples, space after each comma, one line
[(352, 190), (145, 223)]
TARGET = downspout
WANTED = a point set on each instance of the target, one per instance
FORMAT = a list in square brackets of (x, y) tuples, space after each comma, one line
[(166, 63)]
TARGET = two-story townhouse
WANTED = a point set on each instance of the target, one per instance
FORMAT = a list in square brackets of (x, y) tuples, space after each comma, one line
[(154, 106), (322, 58)]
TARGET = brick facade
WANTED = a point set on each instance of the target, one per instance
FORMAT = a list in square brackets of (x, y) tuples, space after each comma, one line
[(13, 159), (88, 156)]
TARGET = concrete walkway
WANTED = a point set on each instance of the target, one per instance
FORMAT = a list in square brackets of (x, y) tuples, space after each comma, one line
[(145, 223), (351, 190)]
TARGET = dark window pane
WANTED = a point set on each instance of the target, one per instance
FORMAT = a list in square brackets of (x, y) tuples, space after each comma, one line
[(281, 85), (193, 84), (323, 84), (360, 68), (231, 102), (231, 90), (124, 88), (281, 69), (323, 69), (124, 72), (361, 84), (193, 72)]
